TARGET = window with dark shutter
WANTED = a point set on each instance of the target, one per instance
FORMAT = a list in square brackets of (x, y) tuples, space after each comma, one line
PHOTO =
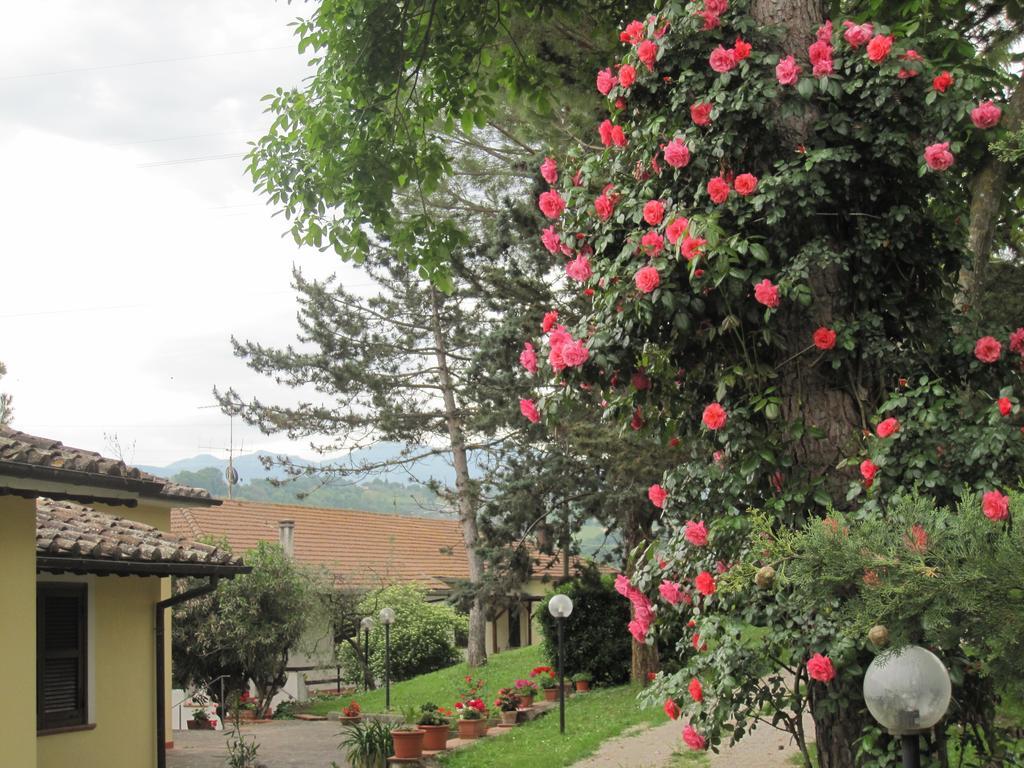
[(61, 655)]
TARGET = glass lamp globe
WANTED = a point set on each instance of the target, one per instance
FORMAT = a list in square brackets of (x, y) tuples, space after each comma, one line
[(907, 690), (367, 623), (560, 606), (387, 616)]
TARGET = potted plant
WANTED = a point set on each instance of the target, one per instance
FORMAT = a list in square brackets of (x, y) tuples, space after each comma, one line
[(407, 737), (435, 721), (200, 721), (368, 745), (546, 679), (351, 714), (526, 690), (472, 718), (246, 707), (508, 703), (582, 681)]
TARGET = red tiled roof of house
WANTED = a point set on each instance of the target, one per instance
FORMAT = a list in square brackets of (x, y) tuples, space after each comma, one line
[(363, 550)]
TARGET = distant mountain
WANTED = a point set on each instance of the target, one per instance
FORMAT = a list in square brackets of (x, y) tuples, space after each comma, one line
[(250, 467)]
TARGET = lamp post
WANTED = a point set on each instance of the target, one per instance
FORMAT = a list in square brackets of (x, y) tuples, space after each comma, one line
[(907, 691), (366, 625), (560, 606), (387, 618)]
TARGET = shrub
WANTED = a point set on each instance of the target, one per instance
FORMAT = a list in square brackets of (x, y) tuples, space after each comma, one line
[(422, 637), (595, 636)]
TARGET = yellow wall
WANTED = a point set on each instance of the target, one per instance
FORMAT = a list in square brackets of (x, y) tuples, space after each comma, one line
[(124, 689), (18, 632)]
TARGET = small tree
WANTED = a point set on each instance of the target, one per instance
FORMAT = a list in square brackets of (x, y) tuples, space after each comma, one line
[(6, 404), (422, 637)]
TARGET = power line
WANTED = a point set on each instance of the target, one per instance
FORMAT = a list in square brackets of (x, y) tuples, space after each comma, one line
[(142, 63), (184, 160), (174, 138)]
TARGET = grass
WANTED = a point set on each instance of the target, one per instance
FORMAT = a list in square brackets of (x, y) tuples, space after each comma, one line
[(590, 719), (441, 687), (689, 759)]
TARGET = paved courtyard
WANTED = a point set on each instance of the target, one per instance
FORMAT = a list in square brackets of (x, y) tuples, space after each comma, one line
[(283, 744)]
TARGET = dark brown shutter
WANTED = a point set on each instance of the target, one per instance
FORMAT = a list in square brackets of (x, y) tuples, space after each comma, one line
[(61, 655)]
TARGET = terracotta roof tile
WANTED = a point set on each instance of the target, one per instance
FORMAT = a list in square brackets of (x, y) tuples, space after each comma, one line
[(68, 530), (363, 550)]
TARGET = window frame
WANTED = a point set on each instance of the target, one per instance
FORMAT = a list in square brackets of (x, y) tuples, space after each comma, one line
[(79, 718)]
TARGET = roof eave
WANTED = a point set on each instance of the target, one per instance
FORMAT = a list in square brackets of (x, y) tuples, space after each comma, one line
[(83, 565)]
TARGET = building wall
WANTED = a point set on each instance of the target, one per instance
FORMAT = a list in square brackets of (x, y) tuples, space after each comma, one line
[(18, 631), (123, 690)]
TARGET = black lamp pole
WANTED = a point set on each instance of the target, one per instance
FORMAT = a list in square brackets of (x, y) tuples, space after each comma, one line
[(911, 750), (561, 675), (387, 667)]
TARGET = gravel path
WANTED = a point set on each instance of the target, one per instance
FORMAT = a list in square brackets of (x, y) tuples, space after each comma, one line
[(654, 747), (283, 744)]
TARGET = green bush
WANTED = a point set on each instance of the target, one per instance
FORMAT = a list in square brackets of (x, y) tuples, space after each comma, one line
[(422, 637), (596, 640)]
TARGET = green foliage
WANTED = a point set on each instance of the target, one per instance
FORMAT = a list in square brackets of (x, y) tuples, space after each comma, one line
[(209, 478), (367, 744), (248, 625), (422, 637), (6, 402), (242, 752), (595, 636)]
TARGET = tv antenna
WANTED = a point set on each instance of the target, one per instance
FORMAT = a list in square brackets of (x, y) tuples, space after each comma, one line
[(230, 474)]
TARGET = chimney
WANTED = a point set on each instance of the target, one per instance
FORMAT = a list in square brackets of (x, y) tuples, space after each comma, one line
[(286, 532)]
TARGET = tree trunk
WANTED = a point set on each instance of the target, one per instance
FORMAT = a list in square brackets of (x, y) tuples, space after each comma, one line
[(987, 190), (836, 727), (636, 530), (644, 662), (477, 648)]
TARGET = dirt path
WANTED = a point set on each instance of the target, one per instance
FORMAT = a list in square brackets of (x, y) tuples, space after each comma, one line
[(654, 747)]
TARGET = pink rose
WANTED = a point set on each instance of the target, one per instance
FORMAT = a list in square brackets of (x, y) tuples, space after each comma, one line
[(987, 349), (627, 75), (887, 428), (714, 416), (938, 157), (692, 247), (823, 68), (551, 239), (604, 130), (579, 269), (717, 7), (676, 229), (741, 49), (1005, 405), (705, 583), (942, 82), (647, 52), (787, 71), (767, 293), (670, 592), (550, 318), (654, 212), (819, 50), (551, 204), (995, 506), (657, 495), (618, 136), (623, 585), (868, 470), (722, 60), (528, 358), (677, 154), (820, 668), (529, 409), (824, 338), (718, 190), (857, 34), (604, 207), (672, 709), (745, 184), (549, 170), (879, 48), (701, 113), (647, 279), (824, 33), (696, 533), (986, 115), (1017, 341), (574, 354), (634, 32), (638, 631), (711, 20), (652, 243), (606, 81), (696, 690), (693, 739)]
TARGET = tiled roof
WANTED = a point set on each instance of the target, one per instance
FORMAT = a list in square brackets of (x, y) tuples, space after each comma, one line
[(72, 537), (24, 455), (362, 549)]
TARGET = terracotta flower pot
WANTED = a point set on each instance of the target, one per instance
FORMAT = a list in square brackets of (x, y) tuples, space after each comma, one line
[(200, 725), (525, 702), (408, 744), (345, 720), (247, 714), (472, 729), (550, 694), (509, 718), (436, 737), (582, 685)]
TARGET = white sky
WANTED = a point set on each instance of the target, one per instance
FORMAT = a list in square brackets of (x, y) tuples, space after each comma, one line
[(125, 263)]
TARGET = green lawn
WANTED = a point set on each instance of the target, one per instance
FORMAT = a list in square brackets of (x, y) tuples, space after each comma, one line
[(590, 719), (442, 687)]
